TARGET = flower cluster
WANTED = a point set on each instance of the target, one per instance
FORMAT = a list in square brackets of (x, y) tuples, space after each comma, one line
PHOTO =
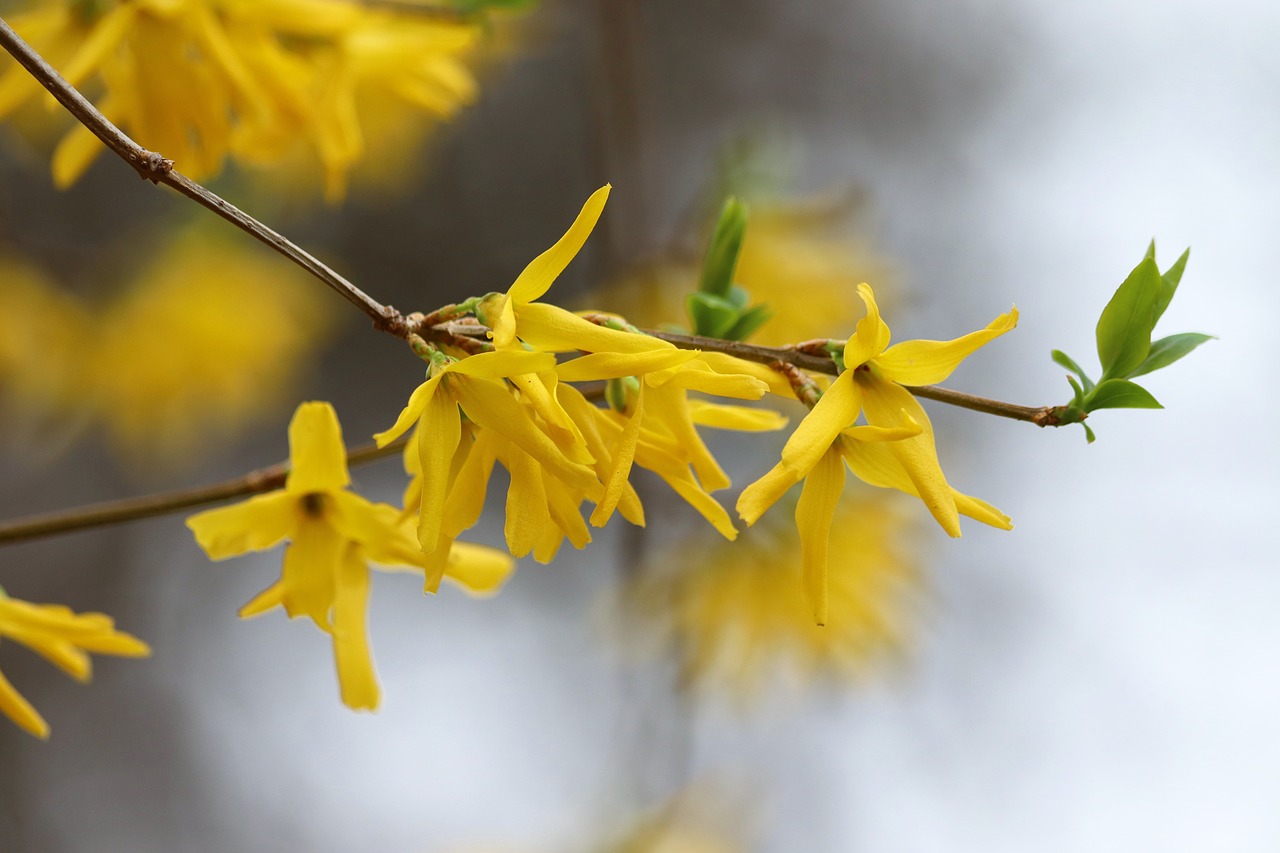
[(200, 79), (63, 638)]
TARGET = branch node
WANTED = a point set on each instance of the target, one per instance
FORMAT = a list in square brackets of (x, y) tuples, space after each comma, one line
[(151, 165)]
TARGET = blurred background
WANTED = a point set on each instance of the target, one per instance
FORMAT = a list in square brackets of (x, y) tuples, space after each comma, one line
[(1099, 678)]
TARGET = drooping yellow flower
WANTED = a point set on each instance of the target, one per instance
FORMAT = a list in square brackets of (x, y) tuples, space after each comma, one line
[(333, 534), (63, 638), (205, 341), (197, 80), (895, 449), (476, 385), (737, 619)]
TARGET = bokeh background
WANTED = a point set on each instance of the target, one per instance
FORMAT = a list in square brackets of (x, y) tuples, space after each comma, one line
[(1102, 677)]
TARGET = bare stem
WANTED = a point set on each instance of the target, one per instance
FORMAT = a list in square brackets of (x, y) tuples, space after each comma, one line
[(154, 167), (164, 503)]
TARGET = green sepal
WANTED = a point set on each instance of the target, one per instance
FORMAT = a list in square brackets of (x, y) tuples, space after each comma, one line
[(1169, 283), (1120, 394), (1166, 351), (618, 392), (712, 316), (1064, 360), (1124, 329), (722, 253)]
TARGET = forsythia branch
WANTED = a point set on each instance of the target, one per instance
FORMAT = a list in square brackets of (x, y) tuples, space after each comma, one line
[(164, 503), (152, 166)]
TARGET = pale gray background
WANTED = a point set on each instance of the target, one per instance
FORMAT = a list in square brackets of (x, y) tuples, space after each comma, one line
[(1101, 678)]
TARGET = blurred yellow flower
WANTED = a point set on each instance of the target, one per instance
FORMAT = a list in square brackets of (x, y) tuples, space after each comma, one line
[(43, 337), (333, 534), (737, 619), (210, 336), (63, 638), (197, 80)]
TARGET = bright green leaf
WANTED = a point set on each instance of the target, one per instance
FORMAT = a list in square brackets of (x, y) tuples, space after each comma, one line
[(1169, 284), (722, 253), (748, 321), (1124, 329), (1166, 351), (711, 315), (1064, 360), (1120, 394), (738, 297), (1078, 400)]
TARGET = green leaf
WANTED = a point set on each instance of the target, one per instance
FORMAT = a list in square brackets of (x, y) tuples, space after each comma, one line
[(738, 297), (1166, 351), (1124, 329), (1088, 433), (1078, 400), (711, 315), (1120, 394), (1169, 284), (1064, 360), (722, 253), (748, 321)]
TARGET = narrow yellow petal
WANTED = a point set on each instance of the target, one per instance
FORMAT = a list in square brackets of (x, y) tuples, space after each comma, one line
[(777, 383), (479, 570), (886, 404), (836, 411), (254, 525), (614, 365), (466, 497), (527, 515), (17, 708), (438, 439), (697, 376), (543, 270), (552, 329), (624, 453), (871, 335), (740, 418), (412, 412), (765, 492), (927, 362), (501, 364), (357, 680), (814, 512), (269, 599), (669, 406), (310, 571), (317, 456)]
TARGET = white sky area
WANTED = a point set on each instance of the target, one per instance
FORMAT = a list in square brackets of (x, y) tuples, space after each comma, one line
[(1101, 678)]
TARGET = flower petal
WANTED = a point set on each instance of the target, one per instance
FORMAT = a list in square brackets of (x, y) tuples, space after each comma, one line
[(886, 404), (765, 492), (928, 362), (479, 570), (438, 439), (310, 571), (253, 525), (624, 453), (268, 599), (317, 456), (357, 680), (836, 410), (14, 706), (501, 364), (412, 412), (552, 329), (527, 516), (814, 512), (615, 365), (871, 335), (543, 270), (740, 418)]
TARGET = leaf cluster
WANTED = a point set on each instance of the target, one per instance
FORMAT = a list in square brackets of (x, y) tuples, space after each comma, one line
[(1125, 346), (720, 308)]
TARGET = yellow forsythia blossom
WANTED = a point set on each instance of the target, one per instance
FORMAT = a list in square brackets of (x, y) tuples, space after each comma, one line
[(62, 637), (894, 450), (210, 334), (197, 80), (737, 619), (333, 535)]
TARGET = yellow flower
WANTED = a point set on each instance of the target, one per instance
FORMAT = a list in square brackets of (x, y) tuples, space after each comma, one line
[(63, 638), (737, 619), (333, 534), (172, 360), (895, 449), (199, 79), (475, 383)]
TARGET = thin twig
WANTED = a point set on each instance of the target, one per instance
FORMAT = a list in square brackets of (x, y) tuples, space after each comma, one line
[(164, 503), (1039, 415), (152, 166)]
